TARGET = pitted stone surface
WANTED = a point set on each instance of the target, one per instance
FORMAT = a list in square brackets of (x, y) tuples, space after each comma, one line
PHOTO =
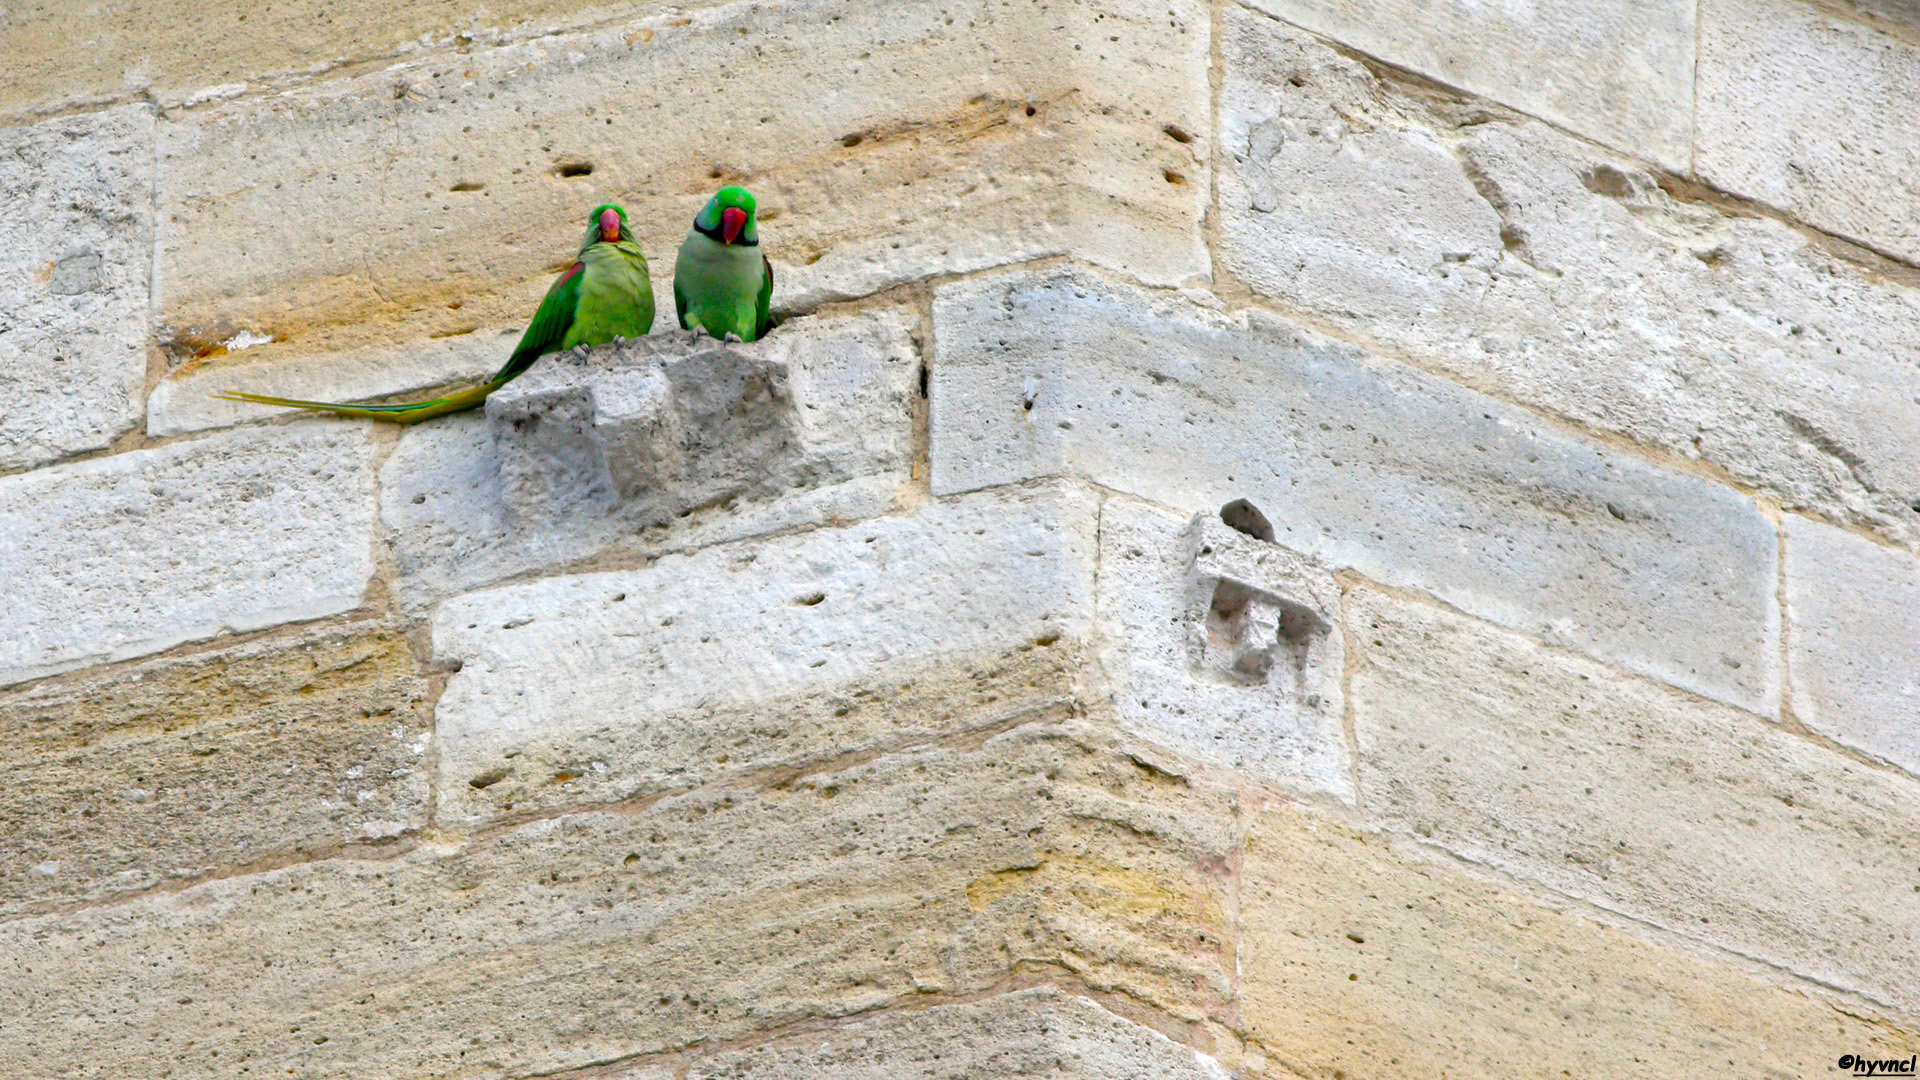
[(76, 199), (1039, 1032), (1361, 959), (1529, 264), (1166, 584), (885, 145), (1612, 71), (1853, 640), (649, 679), (1811, 111), (184, 403), (122, 556), (1694, 817), (654, 446), (582, 939), (181, 767), (1410, 479)]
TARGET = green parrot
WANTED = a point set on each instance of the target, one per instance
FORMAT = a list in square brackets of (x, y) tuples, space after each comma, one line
[(722, 284), (603, 296)]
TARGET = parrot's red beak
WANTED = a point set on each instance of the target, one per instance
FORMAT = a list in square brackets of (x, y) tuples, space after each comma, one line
[(732, 220), (610, 225)]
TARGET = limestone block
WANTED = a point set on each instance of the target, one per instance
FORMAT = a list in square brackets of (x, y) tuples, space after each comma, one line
[(1616, 71), (183, 402), (1683, 814), (757, 654), (652, 926), (180, 50), (1365, 962), (886, 145), (1853, 641), (179, 767), (1037, 1032), (76, 198), (1527, 263), (1222, 645), (122, 556), (653, 446), (1811, 111), (1410, 479)]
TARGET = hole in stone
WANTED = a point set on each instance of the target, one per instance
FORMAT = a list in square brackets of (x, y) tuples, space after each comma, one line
[(1607, 180), (629, 860), (471, 185), (1173, 178), (573, 168), (1173, 132), (1245, 517), (1031, 110), (854, 139), (923, 380), (1295, 80), (487, 779), (810, 599)]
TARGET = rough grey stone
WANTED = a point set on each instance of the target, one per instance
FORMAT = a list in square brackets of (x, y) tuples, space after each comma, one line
[(1223, 646), (653, 446), (76, 198), (1527, 263), (1612, 70), (644, 680), (1691, 816), (122, 556), (1811, 111), (1037, 1032), (1853, 640), (1413, 480)]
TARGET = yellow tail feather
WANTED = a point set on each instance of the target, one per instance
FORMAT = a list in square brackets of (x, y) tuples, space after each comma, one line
[(410, 413)]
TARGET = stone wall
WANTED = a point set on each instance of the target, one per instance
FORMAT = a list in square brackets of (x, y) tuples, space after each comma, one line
[(1283, 539)]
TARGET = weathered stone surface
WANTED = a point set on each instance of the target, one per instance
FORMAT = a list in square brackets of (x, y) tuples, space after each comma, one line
[(1038, 1032), (76, 200), (1853, 641), (1812, 111), (595, 936), (1358, 961), (1616, 71), (181, 50), (183, 403), (886, 145), (1222, 646), (758, 654), (178, 767), (122, 556), (1532, 265), (1687, 815), (1412, 480), (656, 446)]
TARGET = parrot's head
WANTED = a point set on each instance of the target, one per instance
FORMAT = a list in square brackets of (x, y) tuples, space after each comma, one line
[(728, 217), (607, 224)]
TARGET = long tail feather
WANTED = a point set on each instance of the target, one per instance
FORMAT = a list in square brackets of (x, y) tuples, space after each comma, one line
[(410, 413)]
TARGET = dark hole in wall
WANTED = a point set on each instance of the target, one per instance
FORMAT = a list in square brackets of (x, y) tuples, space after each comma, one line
[(1247, 518)]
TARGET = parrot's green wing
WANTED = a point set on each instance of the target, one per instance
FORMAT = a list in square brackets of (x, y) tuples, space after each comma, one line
[(549, 326), (763, 308), (680, 304)]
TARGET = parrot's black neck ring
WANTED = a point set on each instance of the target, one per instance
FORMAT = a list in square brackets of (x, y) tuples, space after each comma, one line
[(718, 237)]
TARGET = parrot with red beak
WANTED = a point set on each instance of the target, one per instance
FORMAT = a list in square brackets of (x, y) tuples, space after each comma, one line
[(722, 282), (604, 296)]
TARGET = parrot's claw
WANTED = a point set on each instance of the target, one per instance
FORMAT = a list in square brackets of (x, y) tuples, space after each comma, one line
[(580, 351), (693, 335), (734, 338)]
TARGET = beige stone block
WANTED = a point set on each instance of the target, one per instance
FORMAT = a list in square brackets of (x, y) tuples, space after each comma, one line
[(61, 56), (177, 768), (647, 926), (1534, 266), (1037, 1032), (886, 146), (1853, 640), (1358, 962), (1810, 109), (123, 556), (76, 216), (1617, 71), (1687, 815), (760, 654)]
